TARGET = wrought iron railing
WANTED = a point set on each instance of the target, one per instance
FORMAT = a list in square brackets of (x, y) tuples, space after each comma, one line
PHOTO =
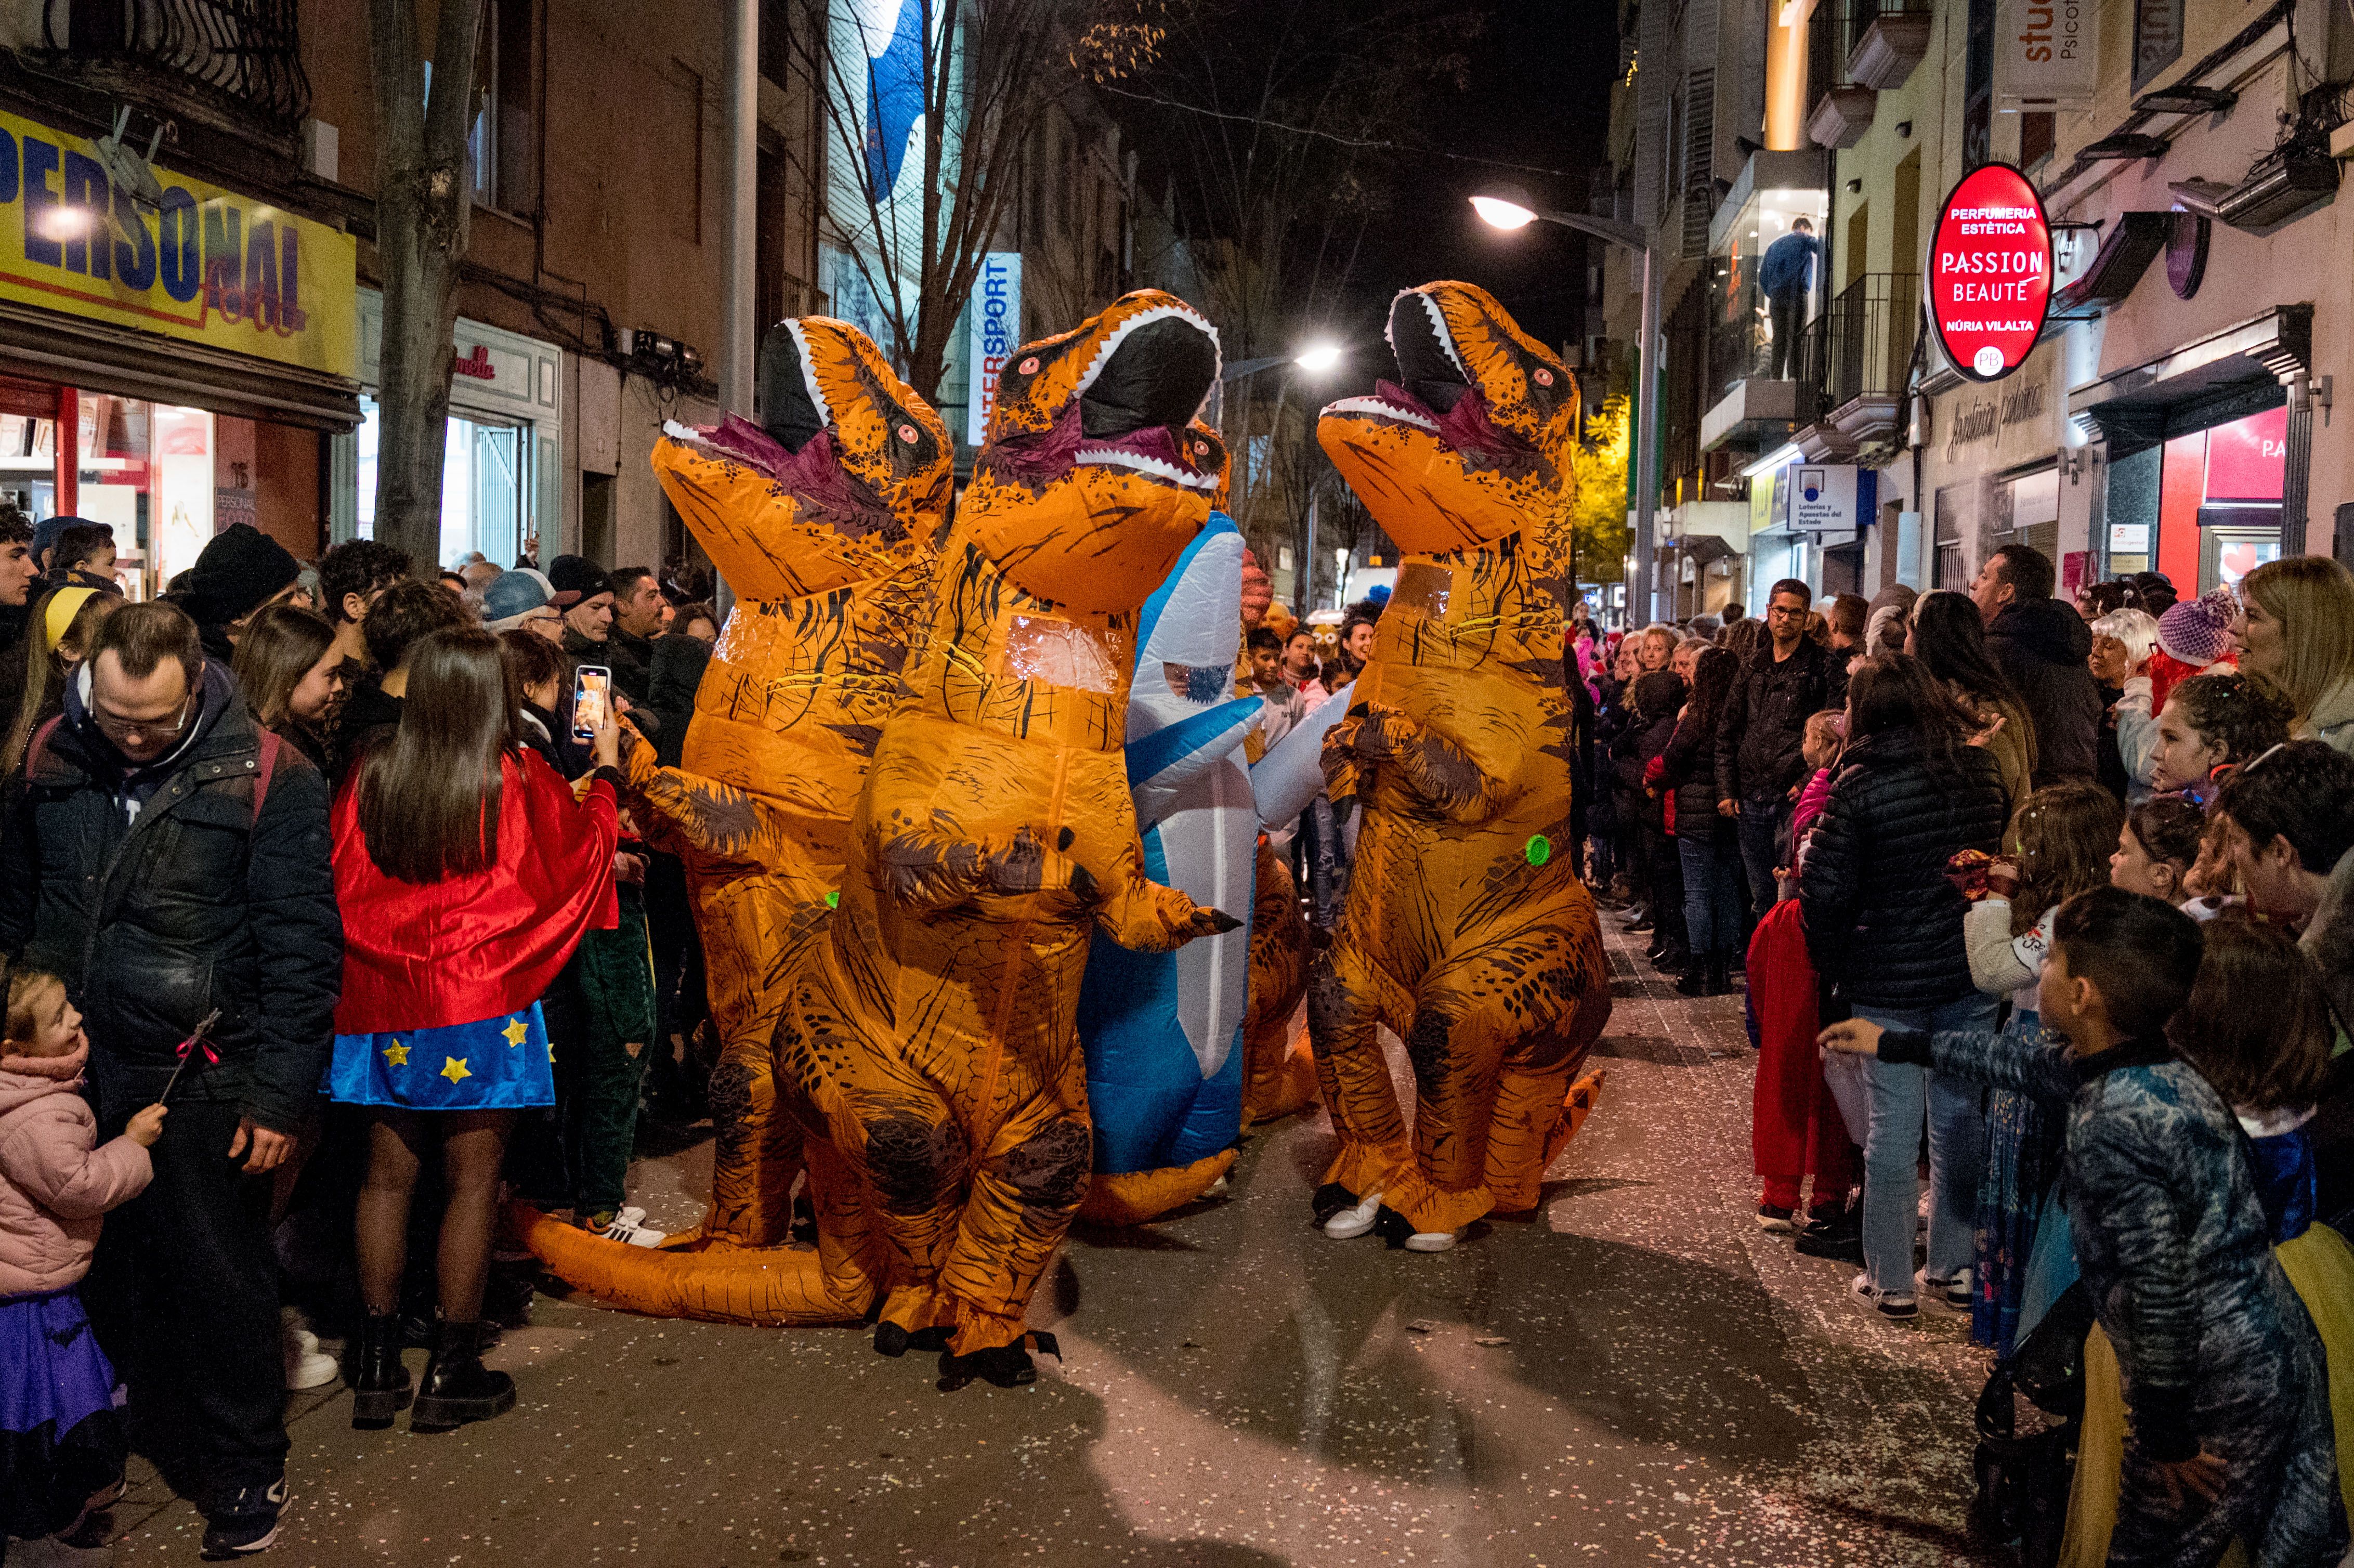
[(246, 53), (1861, 346), (1836, 28)]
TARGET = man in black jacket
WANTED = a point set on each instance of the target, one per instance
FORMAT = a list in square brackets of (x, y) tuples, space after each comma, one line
[(1759, 765), (2041, 643), (167, 862)]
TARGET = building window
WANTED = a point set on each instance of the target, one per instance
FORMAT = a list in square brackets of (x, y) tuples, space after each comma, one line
[(503, 141)]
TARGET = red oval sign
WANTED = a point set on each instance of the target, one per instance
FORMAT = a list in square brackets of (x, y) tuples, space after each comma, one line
[(1991, 272)]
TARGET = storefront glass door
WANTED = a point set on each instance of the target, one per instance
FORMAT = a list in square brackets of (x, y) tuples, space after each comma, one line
[(2220, 501), (485, 485)]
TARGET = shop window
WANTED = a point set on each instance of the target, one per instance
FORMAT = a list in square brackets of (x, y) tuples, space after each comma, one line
[(1951, 568), (143, 469), (2028, 511)]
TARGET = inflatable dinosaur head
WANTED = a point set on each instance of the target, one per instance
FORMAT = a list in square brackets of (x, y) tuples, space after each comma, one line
[(1096, 472), (1472, 441), (847, 470)]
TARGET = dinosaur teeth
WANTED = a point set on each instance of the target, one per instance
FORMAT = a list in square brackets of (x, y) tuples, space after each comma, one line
[(1151, 465), (1158, 312), (1382, 408)]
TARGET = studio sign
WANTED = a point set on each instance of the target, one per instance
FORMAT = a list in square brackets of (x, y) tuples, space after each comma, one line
[(1991, 272)]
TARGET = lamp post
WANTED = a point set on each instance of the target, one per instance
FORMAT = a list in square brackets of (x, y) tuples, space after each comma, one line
[(1509, 207), (1316, 359)]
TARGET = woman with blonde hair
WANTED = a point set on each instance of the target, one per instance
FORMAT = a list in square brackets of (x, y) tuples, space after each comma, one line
[(56, 638), (2295, 629)]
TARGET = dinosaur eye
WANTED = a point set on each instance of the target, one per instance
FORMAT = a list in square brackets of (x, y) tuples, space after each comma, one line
[(908, 434), (1028, 366), (1545, 377), (1201, 448)]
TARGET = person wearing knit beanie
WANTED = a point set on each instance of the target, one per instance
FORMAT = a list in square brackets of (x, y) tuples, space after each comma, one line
[(240, 569), (2192, 635)]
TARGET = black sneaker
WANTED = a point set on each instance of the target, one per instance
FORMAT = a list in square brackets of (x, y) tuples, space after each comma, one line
[(1838, 1236), (245, 1522)]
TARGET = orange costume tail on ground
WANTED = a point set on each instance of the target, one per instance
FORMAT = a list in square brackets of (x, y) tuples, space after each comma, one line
[(935, 1029), (823, 518), (1467, 930)]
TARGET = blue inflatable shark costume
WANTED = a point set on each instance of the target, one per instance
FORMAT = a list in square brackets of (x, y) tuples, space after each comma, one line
[(1163, 1030)]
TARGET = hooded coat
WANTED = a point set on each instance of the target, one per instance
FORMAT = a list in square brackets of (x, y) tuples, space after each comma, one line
[(55, 1178), (2041, 644)]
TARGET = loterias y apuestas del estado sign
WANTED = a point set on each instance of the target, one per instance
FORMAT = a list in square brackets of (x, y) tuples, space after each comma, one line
[(1991, 272)]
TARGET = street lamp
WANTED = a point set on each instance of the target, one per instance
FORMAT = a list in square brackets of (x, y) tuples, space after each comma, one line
[(1510, 207)]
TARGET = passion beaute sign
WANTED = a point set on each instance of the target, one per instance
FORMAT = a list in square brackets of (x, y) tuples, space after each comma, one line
[(1991, 272)]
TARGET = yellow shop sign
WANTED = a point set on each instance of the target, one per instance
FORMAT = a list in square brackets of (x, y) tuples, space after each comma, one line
[(205, 264)]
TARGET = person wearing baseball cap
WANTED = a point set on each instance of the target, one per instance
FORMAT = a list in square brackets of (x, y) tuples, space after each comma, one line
[(524, 600)]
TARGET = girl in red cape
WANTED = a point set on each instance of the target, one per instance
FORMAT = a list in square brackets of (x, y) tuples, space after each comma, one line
[(466, 872)]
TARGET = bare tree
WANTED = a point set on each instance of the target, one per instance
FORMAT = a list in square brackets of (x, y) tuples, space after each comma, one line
[(1271, 121), (984, 73), (424, 202)]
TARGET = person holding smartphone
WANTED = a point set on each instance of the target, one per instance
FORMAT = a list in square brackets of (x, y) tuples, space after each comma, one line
[(467, 873)]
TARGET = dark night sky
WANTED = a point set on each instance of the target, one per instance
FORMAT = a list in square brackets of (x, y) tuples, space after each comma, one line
[(1539, 95)]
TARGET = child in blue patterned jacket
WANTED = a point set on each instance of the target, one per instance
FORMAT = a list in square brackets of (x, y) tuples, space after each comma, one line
[(2223, 1374)]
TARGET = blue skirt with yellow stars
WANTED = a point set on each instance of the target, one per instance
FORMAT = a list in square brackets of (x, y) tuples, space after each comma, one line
[(498, 1063)]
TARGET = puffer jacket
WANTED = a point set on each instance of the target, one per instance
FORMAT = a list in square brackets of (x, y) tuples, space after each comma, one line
[(1883, 923), (55, 1178), (2041, 644), (1688, 768), (1652, 723), (162, 893)]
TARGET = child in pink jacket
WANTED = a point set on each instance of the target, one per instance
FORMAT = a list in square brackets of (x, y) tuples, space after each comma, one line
[(61, 1443)]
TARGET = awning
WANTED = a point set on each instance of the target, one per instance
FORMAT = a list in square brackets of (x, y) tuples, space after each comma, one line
[(2239, 371), (105, 359)]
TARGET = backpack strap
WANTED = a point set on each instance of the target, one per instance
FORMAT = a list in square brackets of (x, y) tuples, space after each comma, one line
[(39, 748), (263, 769)]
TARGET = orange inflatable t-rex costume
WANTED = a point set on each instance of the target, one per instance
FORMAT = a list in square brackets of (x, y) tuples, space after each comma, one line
[(1467, 930), (934, 1029), (824, 520)]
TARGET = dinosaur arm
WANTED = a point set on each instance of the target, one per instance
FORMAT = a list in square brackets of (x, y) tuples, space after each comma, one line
[(1442, 773), (684, 813), (933, 869)]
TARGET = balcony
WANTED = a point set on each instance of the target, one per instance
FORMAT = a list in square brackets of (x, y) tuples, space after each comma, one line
[(1886, 41), (235, 64), (1858, 357)]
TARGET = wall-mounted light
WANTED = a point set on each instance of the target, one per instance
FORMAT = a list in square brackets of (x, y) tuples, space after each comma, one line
[(1855, 187), (1904, 129)]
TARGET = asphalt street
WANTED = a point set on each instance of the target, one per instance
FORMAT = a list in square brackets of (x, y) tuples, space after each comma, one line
[(1636, 1375)]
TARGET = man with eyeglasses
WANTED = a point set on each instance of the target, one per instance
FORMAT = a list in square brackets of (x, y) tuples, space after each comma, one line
[(1759, 765), (171, 863)]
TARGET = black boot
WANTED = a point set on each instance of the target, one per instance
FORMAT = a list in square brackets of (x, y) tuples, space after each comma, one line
[(379, 1382), (457, 1388), (1719, 981)]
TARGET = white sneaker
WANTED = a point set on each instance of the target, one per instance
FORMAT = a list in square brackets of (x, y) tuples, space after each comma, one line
[(1430, 1241), (1952, 1294), (630, 1225), (1897, 1304), (1356, 1221), (307, 1366)]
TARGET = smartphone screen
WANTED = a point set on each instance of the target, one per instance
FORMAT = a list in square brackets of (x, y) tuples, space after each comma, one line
[(592, 688)]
